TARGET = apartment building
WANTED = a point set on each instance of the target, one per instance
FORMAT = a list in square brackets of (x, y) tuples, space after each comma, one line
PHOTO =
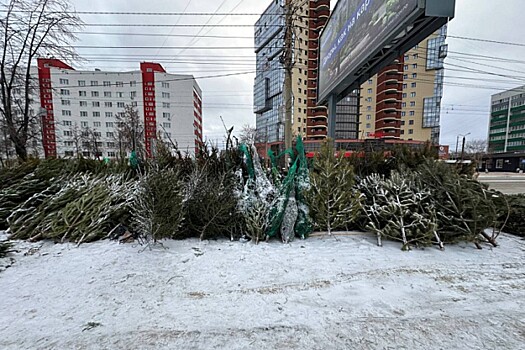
[(507, 122), (403, 101), (308, 18), (168, 105)]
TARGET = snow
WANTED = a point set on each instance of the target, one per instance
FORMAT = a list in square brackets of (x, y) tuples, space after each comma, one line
[(343, 293)]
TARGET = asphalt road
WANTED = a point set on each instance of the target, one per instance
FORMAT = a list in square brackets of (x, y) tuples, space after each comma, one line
[(506, 183)]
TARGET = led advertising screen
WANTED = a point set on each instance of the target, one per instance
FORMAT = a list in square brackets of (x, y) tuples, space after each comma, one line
[(357, 29)]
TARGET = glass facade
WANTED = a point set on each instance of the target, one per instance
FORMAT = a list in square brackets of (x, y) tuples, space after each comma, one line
[(269, 79)]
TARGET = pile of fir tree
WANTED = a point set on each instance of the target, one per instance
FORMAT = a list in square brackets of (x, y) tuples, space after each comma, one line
[(433, 204), (514, 221)]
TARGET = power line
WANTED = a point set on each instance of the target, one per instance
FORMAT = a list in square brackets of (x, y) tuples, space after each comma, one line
[(487, 41)]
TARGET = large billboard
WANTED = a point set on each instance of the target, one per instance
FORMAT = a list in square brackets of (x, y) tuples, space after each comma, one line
[(356, 29)]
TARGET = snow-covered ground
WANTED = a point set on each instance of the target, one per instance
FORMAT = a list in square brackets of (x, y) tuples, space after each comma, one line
[(315, 294)]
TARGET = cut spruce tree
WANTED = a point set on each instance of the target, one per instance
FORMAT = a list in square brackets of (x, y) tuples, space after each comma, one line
[(333, 201), (465, 207), (399, 208), (157, 211)]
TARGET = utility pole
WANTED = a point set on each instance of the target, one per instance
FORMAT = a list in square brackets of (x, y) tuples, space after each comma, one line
[(288, 67)]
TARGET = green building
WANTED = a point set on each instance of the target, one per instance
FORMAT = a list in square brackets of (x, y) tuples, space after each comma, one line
[(507, 121)]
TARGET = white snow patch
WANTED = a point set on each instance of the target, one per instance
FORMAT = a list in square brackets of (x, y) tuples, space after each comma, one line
[(319, 293)]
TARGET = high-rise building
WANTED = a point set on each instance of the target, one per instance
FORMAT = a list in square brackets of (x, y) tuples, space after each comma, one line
[(403, 101), (507, 122), (309, 18), (168, 104)]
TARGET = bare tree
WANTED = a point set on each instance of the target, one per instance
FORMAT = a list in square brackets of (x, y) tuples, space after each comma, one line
[(130, 131), (248, 135), (91, 141), (476, 147), (30, 29), (476, 150)]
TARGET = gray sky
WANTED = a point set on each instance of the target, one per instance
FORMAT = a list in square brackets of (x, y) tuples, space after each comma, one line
[(467, 94)]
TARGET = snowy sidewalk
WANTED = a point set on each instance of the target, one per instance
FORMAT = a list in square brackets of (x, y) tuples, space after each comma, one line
[(313, 294)]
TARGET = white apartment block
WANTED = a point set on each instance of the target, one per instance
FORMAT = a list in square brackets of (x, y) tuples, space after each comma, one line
[(168, 105)]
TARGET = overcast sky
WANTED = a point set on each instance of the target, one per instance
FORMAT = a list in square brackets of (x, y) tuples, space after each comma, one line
[(466, 94)]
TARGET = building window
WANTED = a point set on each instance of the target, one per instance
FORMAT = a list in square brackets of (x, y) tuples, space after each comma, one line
[(64, 92), (412, 94), (96, 104), (412, 113), (81, 83), (120, 104), (107, 83), (82, 93), (83, 113), (83, 103), (107, 93), (67, 133), (109, 114), (165, 85), (369, 91), (411, 131), (94, 93), (368, 117), (109, 124), (110, 144), (108, 104), (166, 125), (165, 95), (64, 81), (109, 134), (368, 126), (97, 124), (94, 83), (66, 103), (499, 164), (132, 83), (165, 105), (413, 85), (66, 122), (119, 84), (66, 113), (96, 114), (166, 115), (133, 94), (404, 104), (84, 124), (411, 122), (120, 94), (414, 75), (404, 95)]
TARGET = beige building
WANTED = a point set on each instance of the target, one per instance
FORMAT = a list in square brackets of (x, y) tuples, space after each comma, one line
[(421, 92)]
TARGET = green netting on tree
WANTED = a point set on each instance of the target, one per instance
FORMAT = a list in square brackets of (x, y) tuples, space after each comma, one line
[(249, 161), (296, 182)]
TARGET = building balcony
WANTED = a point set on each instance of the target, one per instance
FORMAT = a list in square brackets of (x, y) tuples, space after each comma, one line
[(317, 124), (318, 132), (388, 106)]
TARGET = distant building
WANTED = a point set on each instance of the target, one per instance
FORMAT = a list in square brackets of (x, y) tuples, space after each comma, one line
[(403, 101), (168, 104), (507, 122)]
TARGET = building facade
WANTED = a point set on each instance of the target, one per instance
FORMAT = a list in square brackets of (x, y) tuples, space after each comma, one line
[(507, 121), (403, 101), (168, 105), (308, 19)]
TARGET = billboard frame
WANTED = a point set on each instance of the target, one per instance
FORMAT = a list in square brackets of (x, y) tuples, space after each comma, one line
[(429, 16)]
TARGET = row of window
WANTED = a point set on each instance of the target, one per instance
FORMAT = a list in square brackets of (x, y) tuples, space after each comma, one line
[(132, 94), (64, 81)]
